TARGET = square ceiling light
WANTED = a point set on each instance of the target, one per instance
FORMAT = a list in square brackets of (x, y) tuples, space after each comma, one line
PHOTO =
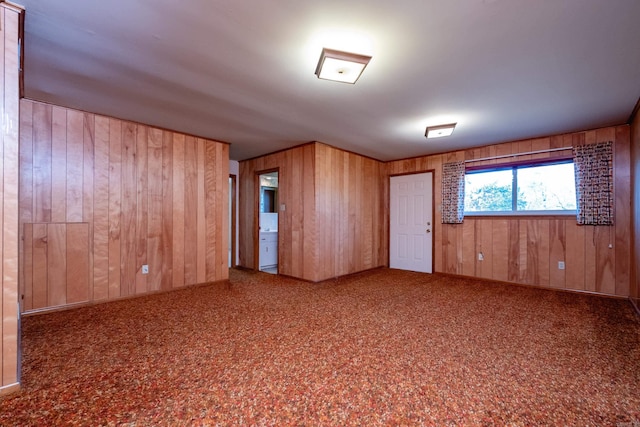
[(341, 66), (440, 130)]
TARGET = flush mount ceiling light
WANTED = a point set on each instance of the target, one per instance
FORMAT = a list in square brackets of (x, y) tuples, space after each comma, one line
[(440, 130), (341, 66)]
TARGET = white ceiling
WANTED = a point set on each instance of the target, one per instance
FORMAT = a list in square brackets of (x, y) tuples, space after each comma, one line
[(243, 71)]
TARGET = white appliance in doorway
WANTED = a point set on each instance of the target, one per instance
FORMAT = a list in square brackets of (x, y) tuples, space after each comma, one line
[(411, 222)]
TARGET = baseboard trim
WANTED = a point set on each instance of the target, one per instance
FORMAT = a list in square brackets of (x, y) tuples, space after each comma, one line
[(225, 282), (9, 389), (634, 304), (571, 291), (330, 279), (350, 275), (243, 268)]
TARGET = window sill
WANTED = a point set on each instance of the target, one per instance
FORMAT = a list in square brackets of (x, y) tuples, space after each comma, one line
[(521, 215)]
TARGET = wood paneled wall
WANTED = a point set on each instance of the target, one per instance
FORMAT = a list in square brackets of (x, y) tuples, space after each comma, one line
[(527, 249), (349, 213), (56, 263), (296, 230), (147, 196), (9, 70), (332, 223), (635, 211)]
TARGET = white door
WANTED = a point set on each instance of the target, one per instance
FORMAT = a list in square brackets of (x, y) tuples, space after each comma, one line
[(411, 222)]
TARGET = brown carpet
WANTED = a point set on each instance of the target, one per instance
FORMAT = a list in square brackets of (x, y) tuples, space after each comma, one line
[(379, 348)]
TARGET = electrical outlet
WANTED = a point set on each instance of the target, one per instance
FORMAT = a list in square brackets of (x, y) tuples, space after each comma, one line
[(145, 269), (560, 265), (480, 256)]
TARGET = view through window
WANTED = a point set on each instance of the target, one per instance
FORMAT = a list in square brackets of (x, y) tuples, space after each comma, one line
[(547, 188)]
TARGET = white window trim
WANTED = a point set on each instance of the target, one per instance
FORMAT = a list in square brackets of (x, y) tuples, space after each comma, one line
[(514, 212), (520, 213)]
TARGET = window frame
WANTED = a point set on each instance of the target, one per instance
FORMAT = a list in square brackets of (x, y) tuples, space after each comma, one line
[(514, 166)]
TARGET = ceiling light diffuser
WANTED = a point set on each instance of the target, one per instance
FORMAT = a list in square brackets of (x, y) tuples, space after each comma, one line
[(341, 66), (440, 130)]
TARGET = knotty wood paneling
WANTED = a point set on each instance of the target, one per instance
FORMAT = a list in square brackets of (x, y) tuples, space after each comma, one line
[(145, 196), (9, 203), (333, 222), (527, 249)]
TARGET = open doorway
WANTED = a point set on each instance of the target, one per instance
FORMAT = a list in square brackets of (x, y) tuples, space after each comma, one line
[(268, 222)]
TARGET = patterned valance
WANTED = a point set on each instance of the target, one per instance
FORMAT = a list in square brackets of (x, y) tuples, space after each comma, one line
[(594, 183), (453, 193)]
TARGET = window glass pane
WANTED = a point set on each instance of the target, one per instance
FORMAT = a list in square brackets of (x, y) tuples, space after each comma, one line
[(548, 187), (488, 191)]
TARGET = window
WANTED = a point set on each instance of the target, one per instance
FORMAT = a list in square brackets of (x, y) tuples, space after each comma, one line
[(542, 188)]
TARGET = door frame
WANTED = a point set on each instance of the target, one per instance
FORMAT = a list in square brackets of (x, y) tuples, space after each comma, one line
[(256, 216), (433, 214), (234, 218)]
